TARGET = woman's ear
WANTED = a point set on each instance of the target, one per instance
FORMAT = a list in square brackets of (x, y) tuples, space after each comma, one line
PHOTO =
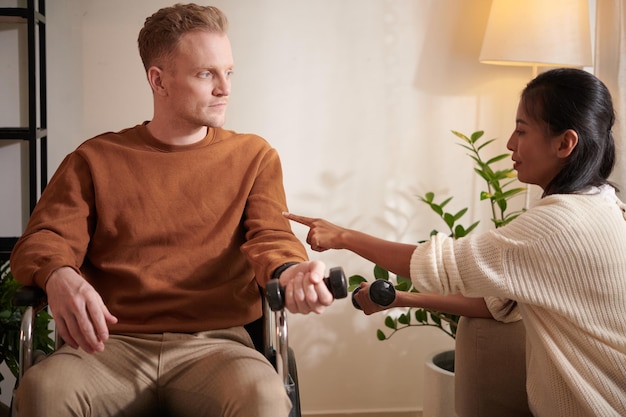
[(155, 78), (567, 141)]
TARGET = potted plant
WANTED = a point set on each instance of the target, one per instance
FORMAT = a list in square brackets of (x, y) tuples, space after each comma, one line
[(10, 320), (500, 188)]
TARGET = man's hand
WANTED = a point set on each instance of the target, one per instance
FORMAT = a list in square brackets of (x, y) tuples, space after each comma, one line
[(79, 312), (305, 290)]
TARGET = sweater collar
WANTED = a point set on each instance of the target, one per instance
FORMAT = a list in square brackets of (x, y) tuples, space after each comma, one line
[(606, 192), (154, 143)]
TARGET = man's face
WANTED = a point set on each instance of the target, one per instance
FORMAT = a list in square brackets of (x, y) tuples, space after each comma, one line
[(197, 79)]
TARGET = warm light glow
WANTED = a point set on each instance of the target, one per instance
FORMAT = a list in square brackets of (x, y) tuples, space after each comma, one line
[(538, 33)]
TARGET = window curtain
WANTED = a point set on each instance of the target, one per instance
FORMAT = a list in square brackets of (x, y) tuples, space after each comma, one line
[(610, 67)]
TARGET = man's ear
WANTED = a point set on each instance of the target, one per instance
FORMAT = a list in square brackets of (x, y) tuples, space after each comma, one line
[(566, 143), (155, 78)]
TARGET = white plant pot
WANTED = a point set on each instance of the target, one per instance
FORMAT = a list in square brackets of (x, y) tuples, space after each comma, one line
[(439, 385)]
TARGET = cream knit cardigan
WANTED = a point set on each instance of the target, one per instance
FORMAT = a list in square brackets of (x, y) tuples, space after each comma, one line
[(564, 262)]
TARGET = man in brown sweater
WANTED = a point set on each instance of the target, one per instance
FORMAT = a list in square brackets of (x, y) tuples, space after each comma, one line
[(151, 244)]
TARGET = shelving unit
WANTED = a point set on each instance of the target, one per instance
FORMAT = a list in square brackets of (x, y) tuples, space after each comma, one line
[(33, 15), (6, 246)]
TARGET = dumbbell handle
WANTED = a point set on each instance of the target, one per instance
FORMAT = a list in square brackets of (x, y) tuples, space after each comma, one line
[(335, 282), (380, 291)]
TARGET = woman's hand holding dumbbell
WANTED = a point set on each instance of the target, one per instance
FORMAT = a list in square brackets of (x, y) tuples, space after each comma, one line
[(374, 297)]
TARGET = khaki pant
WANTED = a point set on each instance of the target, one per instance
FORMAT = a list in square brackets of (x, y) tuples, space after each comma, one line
[(214, 373)]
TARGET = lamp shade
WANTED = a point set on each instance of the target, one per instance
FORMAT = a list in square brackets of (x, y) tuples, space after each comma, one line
[(538, 32)]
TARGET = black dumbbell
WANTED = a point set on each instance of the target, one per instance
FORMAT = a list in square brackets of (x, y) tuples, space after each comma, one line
[(380, 291), (335, 282)]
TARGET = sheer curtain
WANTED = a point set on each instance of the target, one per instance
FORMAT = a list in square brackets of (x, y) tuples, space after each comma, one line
[(610, 67)]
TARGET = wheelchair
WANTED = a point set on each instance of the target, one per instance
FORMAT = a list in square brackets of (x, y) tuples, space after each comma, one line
[(269, 334)]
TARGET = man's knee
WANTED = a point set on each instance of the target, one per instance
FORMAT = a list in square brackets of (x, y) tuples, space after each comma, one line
[(41, 392), (265, 396)]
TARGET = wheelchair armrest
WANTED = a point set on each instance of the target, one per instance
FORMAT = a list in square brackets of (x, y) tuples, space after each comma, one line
[(30, 296)]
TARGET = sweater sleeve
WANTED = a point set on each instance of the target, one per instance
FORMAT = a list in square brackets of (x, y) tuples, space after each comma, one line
[(473, 265), (503, 309), (270, 241), (59, 228), (434, 268)]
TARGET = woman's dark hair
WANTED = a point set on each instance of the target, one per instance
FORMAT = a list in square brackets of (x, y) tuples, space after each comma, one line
[(568, 98)]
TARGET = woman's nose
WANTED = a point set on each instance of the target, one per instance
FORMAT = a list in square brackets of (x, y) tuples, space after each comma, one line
[(510, 145)]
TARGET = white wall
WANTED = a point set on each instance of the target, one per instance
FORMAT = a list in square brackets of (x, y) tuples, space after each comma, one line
[(358, 96)]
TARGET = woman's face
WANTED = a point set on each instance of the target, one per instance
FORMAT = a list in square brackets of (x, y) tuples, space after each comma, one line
[(536, 156)]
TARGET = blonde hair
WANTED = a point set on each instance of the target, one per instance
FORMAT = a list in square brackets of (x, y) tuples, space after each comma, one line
[(161, 31)]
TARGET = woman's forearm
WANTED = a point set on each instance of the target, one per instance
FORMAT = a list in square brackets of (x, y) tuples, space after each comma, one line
[(393, 256), (453, 304)]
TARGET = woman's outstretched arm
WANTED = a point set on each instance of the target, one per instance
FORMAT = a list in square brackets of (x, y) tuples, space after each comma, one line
[(394, 257), (452, 304), (324, 235)]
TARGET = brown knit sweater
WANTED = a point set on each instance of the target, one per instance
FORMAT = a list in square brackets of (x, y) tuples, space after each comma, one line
[(171, 237)]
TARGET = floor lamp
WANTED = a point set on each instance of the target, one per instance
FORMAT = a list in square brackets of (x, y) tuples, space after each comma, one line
[(536, 33)]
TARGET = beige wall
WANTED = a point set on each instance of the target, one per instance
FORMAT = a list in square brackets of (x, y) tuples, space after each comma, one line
[(358, 96)]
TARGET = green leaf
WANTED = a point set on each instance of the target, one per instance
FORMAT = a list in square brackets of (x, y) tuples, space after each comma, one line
[(484, 144), (472, 227), (380, 335), (510, 193), (381, 273), (477, 135), (437, 209), (445, 202), (460, 214), (404, 319), (459, 231), (404, 284), (354, 282), (497, 158), (391, 323), (421, 315), (482, 174), (461, 135)]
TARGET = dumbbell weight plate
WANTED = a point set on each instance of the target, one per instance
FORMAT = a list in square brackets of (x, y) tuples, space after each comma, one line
[(381, 292), (336, 283)]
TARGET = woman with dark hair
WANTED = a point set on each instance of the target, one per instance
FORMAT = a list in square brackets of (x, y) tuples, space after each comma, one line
[(563, 262), (565, 100)]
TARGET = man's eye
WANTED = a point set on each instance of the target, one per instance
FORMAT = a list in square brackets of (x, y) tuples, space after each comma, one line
[(205, 74), (229, 74)]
